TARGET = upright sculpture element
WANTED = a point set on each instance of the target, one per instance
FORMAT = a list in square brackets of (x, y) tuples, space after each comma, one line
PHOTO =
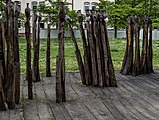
[(136, 66), (16, 54), (91, 39), (2, 69), (86, 56), (127, 65), (150, 51), (48, 70), (35, 68), (143, 66), (89, 48), (10, 81), (28, 54), (112, 79), (98, 62), (96, 33), (77, 51), (60, 60), (144, 60)]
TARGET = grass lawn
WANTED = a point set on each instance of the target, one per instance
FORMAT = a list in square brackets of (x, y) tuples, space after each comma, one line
[(117, 50)]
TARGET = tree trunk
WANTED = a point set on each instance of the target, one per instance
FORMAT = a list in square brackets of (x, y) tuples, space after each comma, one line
[(2, 71), (36, 45), (60, 61), (10, 56), (87, 64), (127, 65), (28, 53), (48, 70), (16, 56), (136, 66)]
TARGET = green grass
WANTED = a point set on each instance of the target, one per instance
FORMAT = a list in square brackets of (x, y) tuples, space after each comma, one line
[(117, 50), (70, 59)]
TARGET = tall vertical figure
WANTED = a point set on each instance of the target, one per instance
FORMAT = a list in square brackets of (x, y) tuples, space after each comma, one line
[(48, 70), (16, 54), (112, 78), (127, 65), (2, 69), (35, 68), (77, 51), (28, 54), (92, 49), (144, 60), (97, 49), (91, 69), (86, 51), (150, 51), (60, 60), (10, 81), (136, 66)]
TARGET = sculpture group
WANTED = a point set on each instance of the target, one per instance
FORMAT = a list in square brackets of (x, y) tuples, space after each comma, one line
[(134, 63), (95, 66)]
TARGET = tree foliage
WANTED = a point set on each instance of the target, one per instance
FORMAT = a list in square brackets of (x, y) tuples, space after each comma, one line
[(119, 10), (52, 8), (2, 9)]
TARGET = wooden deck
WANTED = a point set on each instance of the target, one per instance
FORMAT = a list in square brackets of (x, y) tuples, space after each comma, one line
[(135, 98)]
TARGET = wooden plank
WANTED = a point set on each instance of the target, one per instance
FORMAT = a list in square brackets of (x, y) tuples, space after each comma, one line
[(143, 84), (4, 115), (14, 114), (31, 112), (45, 112), (75, 105), (58, 115), (148, 89), (24, 91), (43, 108), (93, 103), (145, 97), (120, 106), (141, 99), (132, 109), (135, 96), (48, 85), (134, 100), (121, 100), (39, 92), (106, 98)]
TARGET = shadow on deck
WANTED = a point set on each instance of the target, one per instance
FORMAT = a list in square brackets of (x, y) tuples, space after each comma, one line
[(135, 98)]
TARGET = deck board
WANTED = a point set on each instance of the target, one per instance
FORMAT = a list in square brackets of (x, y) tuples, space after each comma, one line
[(135, 98)]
